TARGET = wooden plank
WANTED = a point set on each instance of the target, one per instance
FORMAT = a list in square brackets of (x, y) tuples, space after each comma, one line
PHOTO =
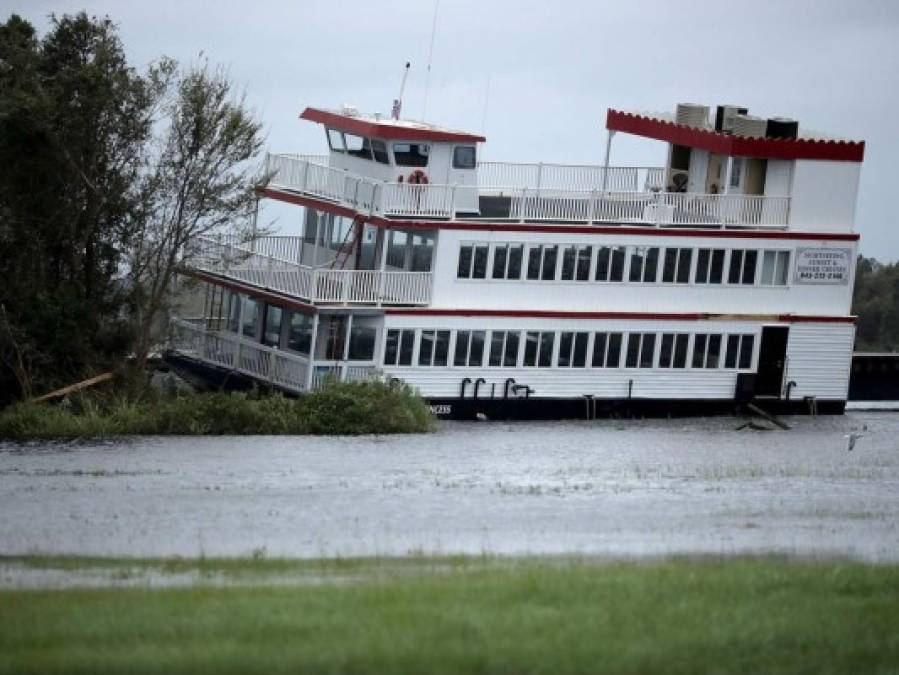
[(84, 384), (768, 416)]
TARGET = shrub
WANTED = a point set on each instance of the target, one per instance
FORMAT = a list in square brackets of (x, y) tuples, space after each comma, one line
[(337, 408)]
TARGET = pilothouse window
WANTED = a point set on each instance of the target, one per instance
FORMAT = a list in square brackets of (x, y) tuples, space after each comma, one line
[(357, 146), (411, 154), (464, 157), (335, 141)]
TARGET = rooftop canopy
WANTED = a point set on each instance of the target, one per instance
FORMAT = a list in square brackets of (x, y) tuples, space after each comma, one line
[(662, 128), (386, 128)]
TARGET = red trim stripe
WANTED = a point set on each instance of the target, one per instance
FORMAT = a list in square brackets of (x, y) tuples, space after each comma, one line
[(736, 146), (386, 129), (645, 316), (648, 231)]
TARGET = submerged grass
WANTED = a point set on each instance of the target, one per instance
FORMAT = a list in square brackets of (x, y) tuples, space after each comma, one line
[(483, 615), (336, 408)]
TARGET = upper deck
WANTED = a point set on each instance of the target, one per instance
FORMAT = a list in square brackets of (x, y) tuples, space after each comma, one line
[(742, 172), (521, 192)]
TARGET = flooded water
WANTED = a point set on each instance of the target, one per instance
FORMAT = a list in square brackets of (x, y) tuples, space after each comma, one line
[(634, 488)]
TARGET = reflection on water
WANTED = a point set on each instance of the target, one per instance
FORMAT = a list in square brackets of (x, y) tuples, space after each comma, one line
[(626, 488)]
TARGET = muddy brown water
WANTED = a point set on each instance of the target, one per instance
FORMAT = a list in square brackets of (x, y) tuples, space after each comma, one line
[(608, 488)]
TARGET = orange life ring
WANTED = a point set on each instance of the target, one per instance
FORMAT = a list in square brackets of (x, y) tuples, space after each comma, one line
[(418, 177)]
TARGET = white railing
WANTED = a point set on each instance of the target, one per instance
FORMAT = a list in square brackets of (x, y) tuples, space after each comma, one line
[(315, 284), (230, 351), (565, 194), (266, 364), (344, 372), (402, 199), (585, 177)]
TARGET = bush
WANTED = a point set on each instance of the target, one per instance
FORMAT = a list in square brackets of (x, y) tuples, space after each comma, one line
[(337, 408)]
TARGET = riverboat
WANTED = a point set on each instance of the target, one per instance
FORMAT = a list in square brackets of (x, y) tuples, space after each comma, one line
[(547, 290)]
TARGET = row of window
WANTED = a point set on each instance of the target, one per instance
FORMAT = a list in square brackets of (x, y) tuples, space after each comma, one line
[(643, 264), (404, 154), (576, 349)]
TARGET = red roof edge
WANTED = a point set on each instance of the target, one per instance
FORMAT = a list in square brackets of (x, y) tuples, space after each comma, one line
[(738, 146), (385, 129)]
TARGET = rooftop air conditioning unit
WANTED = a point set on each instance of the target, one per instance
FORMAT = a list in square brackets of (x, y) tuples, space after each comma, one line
[(724, 117), (692, 115), (750, 125), (350, 110), (782, 127)]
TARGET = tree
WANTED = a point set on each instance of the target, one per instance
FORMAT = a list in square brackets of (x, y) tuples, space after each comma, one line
[(75, 121), (107, 176), (201, 183)]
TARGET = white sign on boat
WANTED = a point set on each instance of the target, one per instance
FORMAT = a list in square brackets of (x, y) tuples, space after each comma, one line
[(823, 265)]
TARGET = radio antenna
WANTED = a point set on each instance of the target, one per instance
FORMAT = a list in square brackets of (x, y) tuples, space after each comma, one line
[(398, 102), (424, 113)]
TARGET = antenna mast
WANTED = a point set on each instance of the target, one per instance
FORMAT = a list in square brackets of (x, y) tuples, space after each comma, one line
[(424, 113), (398, 102)]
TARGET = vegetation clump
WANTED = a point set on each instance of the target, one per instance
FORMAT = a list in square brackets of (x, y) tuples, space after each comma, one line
[(335, 409)]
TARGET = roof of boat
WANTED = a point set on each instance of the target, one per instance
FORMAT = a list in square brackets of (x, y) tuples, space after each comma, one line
[(379, 127), (663, 127)]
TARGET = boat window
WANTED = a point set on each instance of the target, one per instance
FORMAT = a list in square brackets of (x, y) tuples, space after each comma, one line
[(398, 347), (422, 252), (433, 348), (576, 263), (250, 317), (357, 146), (710, 266), (411, 154), (464, 157), (299, 333), (507, 261), (469, 348), (550, 254), (739, 351), (335, 141), (607, 350), (234, 313), (362, 342), (707, 351), (573, 350), (676, 265), (673, 350), (644, 264), (379, 150), (504, 348), (640, 350), (542, 262), (538, 348), (774, 268), (472, 261), (271, 334), (396, 249), (742, 267), (610, 263), (736, 172)]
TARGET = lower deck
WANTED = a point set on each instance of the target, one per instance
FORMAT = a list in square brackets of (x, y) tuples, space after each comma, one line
[(526, 364)]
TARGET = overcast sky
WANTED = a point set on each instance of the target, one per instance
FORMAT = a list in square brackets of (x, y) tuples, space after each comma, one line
[(552, 68)]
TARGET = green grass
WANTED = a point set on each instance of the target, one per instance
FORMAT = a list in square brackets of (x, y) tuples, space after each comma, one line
[(337, 408), (461, 615)]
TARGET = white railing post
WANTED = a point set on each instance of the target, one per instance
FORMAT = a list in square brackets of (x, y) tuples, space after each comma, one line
[(305, 180), (592, 207), (452, 204), (539, 175), (521, 205)]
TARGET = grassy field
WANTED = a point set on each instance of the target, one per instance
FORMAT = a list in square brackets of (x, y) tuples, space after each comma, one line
[(457, 615)]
